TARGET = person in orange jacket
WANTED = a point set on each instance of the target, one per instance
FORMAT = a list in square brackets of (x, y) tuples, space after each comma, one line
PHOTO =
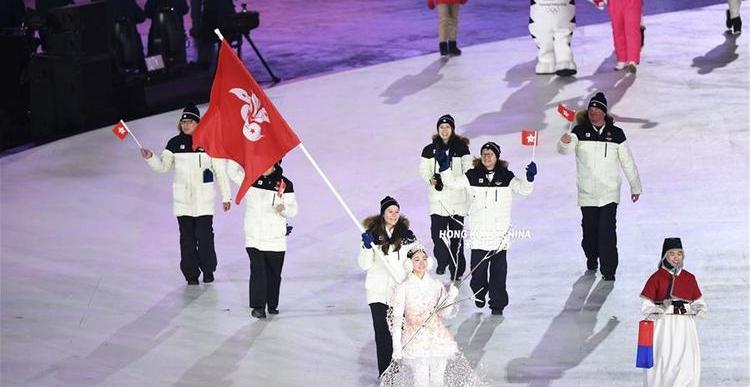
[(447, 24)]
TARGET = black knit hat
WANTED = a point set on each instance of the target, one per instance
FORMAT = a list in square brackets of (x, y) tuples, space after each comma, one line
[(669, 244), (599, 101), (191, 112), (493, 147), (447, 119), (387, 202)]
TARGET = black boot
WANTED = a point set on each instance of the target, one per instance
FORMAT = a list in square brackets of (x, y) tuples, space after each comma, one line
[(258, 313), (736, 25), (643, 35), (444, 48), (453, 48), (729, 21)]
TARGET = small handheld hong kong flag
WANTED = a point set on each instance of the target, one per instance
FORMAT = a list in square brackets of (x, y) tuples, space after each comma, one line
[(645, 355), (280, 188), (568, 113), (120, 130), (529, 137)]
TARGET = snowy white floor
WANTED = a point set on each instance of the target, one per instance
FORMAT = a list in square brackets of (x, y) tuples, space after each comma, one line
[(92, 293)]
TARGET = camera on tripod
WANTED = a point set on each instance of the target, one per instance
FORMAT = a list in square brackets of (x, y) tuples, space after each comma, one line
[(239, 24)]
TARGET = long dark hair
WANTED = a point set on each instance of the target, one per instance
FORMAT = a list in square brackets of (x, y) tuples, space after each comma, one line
[(376, 226)]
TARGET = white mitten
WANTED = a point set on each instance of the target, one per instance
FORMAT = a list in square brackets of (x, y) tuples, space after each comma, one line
[(699, 309), (655, 312), (452, 292)]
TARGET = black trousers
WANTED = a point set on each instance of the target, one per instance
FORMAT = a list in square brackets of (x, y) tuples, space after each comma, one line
[(440, 251), (490, 277), (600, 236), (383, 341), (265, 277), (196, 245)]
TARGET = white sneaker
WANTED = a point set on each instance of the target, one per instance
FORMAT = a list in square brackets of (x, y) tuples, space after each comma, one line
[(619, 66), (631, 67)]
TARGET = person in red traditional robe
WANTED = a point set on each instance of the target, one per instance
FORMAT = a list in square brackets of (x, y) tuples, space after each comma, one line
[(672, 299)]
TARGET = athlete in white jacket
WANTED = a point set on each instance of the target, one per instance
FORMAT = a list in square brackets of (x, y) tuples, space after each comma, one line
[(384, 248), (601, 151), (447, 205), (269, 202), (490, 186), (194, 192)]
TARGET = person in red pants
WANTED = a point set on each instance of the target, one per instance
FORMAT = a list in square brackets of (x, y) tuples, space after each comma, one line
[(626, 31)]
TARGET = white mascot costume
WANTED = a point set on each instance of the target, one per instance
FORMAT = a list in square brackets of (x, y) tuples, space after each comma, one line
[(551, 25)]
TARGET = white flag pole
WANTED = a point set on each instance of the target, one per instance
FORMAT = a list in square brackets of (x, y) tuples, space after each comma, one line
[(536, 141), (328, 182), (218, 33), (132, 135), (343, 204)]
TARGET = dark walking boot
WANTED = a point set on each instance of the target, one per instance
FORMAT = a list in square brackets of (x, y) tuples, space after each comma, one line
[(729, 21), (643, 35), (258, 313), (444, 48), (736, 26), (453, 48)]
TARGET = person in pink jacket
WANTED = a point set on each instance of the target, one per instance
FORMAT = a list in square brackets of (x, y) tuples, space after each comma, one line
[(447, 24), (626, 31)]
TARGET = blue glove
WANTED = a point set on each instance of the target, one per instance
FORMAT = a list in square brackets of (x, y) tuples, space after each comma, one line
[(367, 239), (442, 159), (530, 171)]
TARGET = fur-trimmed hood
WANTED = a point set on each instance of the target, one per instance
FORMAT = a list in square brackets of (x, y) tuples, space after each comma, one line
[(401, 233), (582, 118), (453, 141), (372, 222), (477, 163)]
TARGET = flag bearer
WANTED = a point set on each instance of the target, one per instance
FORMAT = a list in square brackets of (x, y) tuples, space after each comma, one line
[(269, 203)]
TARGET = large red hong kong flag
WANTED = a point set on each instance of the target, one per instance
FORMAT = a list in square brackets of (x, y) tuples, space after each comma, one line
[(241, 123)]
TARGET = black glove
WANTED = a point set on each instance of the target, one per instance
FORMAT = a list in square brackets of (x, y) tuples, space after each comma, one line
[(289, 229), (438, 182)]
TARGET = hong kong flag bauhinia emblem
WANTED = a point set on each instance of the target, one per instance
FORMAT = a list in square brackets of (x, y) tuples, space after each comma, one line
[(241, 122)]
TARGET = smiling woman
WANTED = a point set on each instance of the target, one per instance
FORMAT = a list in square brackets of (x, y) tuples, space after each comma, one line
[(383, 251)]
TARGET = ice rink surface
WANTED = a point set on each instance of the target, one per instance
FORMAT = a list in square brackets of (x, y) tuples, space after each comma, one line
[(91, 292)]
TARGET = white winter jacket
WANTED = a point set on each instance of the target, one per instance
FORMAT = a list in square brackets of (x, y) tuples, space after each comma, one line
[(599, 158), (384, 271), (449, 201), (265, 228), (196, 174), (489, 205)]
